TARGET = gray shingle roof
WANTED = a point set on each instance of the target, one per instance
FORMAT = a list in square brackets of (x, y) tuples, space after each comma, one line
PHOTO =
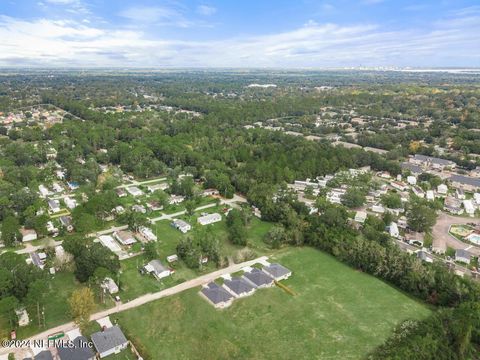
[(157, 266), (108, 339), (412, 167), (44, 355), (78, 352), (433, 160), (216, 294), (276, 270), (465, 180), (239, 285), (258, 277), (463, 253)]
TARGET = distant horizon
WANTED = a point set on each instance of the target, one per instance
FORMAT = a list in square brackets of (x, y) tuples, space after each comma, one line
[(279, 34)]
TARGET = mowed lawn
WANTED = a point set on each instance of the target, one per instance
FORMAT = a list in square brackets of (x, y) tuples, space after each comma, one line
[(338, 313)]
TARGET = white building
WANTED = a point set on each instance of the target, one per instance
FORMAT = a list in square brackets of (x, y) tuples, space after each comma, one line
[(109, 243), (442, 189), (476, 197), (181, 225), (176, 199), (430, 195), (360, 217), (156, 268), (393, 230), (28, 234), (109, 285), (124, 237), (54, 206), (70, 203), (147, 233), (469, 207), (412, 180), (209, 219), (134, 191), (44, 192)]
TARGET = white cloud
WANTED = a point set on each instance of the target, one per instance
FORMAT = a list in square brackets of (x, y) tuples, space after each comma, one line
[(158, 15), (452, 41), (206, 10)]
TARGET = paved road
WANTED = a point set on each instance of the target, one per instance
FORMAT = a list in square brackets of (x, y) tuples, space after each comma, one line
[(147, 298), (441, 237)]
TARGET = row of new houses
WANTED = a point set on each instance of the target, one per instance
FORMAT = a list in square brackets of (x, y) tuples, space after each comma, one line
[(222, 296)]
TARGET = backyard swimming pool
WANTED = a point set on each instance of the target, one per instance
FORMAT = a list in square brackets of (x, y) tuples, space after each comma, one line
[(474, 238)]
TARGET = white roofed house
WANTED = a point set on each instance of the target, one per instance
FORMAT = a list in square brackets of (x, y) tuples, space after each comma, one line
[(157, 269), (442, 189), (412, 180), (156, 187), (476, 197), (360, 217), (110, 286), (134, 191), (147, 233), (453, 205), (393, 230), (176, 199), (125, 237), (430, 195), (44, 192), (379, 209), (28, 234), (209, 219), (181, 225), (70, 203), (469, 207)]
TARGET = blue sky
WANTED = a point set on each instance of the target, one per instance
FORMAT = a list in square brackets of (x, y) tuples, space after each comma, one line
[(239, 33)]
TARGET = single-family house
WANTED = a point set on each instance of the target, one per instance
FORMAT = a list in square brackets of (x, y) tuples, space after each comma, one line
[(147, 233), (259, 278), (121, 192), (424, 256), (109, 341), (430, 195), (110, 286), (432, 162), (110, 243), (70, 203), (134, 191), (156, 268), (414, 169), (469, 207), (124, 237), (209, 219), (464, 182), (51, 229), (176, 199), (181, 225), (418, 191), (56, 187), (28, 234), (218, 296), (54, 206), (154, 205), (453, 205), (239, 287), (463, 255), (412, 180), (77, 349), (393, 230), (476, 198), (172, 258), (460, 194), (360, 217), (277, 271), (44, 192), (379, 209), (66, 222), (22, 315), (442, 189), (156, 187), (38, 259), (210, 192), (139, 208)]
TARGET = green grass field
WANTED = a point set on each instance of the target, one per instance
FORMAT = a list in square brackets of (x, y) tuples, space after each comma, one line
[(338, 313)]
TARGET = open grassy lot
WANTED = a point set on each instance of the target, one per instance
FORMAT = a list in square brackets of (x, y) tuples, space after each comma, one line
[(338, 313)]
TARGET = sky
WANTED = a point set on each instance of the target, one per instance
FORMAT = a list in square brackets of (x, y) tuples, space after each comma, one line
[(239, 33)]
